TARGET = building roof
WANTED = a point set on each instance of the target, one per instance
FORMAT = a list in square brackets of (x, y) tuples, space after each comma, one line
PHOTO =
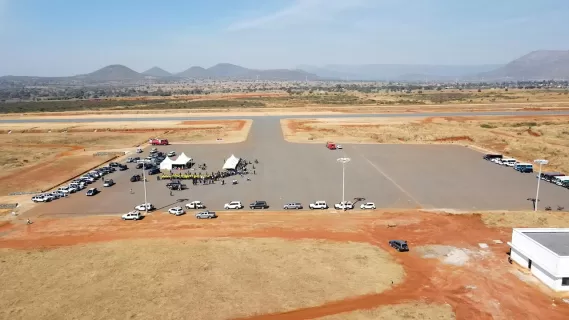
[(558, 242)]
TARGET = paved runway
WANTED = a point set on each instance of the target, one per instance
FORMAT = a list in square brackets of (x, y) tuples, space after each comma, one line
[(261, 117), (392, 176)]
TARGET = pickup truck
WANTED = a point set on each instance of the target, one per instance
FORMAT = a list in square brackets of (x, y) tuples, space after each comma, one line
[(206, 215), (318, 205)]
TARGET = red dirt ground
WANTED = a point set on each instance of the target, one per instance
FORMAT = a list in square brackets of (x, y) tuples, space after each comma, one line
[(497, 293)]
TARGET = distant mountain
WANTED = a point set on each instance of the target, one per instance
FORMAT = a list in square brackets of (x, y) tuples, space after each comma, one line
[(115, 72), (536, 65), (397, 72), (157, 72), (231, 71), (194, 72)]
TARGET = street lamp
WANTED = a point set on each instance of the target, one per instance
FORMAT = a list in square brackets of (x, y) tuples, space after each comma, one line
[(144, 182), (541, 162), (343, 161)]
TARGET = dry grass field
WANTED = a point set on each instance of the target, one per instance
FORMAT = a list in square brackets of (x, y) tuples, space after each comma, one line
[(187, 279), (526, 219), (38, 156), (406, 311), (524, 138)]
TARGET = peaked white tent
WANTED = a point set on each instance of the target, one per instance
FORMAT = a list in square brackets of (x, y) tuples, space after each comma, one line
[(231, 163), (166, 164), (182, 160)]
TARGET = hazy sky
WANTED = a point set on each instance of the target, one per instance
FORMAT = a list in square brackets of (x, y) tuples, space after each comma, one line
[(67, 37)]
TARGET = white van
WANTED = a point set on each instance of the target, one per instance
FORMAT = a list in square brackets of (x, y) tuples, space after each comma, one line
[(559, 180), (510, 162)]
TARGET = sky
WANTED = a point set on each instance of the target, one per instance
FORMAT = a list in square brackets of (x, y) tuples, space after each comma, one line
[(66, 37)]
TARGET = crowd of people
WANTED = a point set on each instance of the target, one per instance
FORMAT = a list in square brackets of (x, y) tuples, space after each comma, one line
[(211, 177)]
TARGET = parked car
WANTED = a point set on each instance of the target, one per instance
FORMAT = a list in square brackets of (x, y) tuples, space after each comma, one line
[(292, 205), (53, 195), (153, 171), (76, 187), (318, 205), (344, 205), (177, 211), (206, 215), (41, 198), (153, 150), (123, 167), (65, 190), (339, 146), (367, 205), (175, 186), (91, 192), (171, 153), (524, 167), (109, 183), (59, 193), (550, 176), (114, 164), (233, 205), (138, 150), (135, 178), (133, 215), (145, 207), (490, 157), (139, 165), (88, 178), (259, 205), (509, 162), (195, 205), (399, 245)]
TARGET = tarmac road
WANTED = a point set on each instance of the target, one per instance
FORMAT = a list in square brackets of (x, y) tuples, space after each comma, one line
[(380, 115)]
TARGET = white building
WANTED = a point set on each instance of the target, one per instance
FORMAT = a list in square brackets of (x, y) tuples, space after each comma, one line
[(545, 252)]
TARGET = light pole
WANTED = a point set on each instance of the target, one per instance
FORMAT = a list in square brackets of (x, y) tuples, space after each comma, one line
[(343, 161), (144, 183), (541, 162)]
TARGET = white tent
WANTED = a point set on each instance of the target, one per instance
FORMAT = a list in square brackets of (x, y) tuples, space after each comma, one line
[(231, 163), (182, 160), (166, 164)]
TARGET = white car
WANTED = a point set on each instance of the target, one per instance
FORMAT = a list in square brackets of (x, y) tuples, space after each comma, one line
[(41, 198), (72, 188), (108, 183), (171, 153), (64, 190), (368, 205), (88, 178), (133, 215), (233, 205), (177, 211), (77, 186), (144, 207), (339, 146), (195, 205), (53, 195), (60, 194), (318, 205), (344, 205)]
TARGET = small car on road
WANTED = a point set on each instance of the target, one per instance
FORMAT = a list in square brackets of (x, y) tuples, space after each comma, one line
[(171, 153), (144, 207), (344, 205), (318, 205), (206, 215), (233, 205), (135, 178), (293, 205), (259, 205), (177, 211), (368, 206), (133, 215), (109, 183), (195, 205), (91, 192), (399, 245)]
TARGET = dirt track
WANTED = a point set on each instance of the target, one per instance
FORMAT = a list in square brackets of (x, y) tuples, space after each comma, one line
[(475, 290)]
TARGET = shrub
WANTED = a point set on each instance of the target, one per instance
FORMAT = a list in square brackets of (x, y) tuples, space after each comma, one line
[(487, 126)]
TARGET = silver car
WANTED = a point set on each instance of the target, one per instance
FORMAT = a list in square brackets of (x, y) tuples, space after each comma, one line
[(293, 205)]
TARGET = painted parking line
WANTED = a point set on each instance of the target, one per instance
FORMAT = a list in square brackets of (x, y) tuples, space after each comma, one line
[(378, 169)]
